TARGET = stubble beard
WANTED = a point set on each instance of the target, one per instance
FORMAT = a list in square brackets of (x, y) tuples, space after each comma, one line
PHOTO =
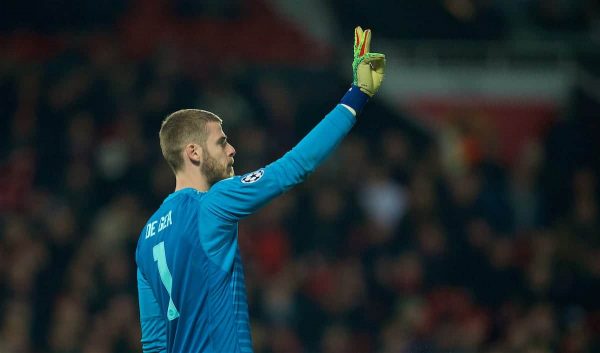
[(213, 171)]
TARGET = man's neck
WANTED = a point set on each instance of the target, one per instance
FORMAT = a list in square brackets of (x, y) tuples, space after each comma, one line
[(185, 180)]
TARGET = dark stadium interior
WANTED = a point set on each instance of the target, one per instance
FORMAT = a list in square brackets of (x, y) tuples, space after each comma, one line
[(386, 248)]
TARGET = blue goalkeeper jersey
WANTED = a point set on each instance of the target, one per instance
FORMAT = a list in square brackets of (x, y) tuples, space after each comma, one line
[(191, 286)]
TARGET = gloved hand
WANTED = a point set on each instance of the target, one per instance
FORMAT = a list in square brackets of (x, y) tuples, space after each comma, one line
[(368, 68)]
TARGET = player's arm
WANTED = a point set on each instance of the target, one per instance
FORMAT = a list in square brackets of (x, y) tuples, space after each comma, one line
[(154, 329), (234, 198)]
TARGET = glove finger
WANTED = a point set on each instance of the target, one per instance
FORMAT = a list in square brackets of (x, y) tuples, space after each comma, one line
[(374, 56), (358, 34), (369, 58), (366, 46), (376, 61)]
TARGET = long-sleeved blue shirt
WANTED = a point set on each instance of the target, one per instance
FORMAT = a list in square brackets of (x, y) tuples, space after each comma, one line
[(191, 286)]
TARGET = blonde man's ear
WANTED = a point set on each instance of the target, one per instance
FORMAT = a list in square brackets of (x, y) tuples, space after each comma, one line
[(193, 152)]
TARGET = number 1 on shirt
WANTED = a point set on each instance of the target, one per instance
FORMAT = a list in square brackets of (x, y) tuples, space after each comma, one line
[(165, 276)]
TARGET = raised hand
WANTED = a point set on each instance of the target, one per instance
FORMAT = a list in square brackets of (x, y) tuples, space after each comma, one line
[(368, 68)]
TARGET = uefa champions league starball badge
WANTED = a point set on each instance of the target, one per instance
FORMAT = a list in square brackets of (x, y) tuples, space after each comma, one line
[(253, 177)]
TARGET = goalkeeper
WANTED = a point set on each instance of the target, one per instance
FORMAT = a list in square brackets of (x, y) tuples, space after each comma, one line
[(192, 294)]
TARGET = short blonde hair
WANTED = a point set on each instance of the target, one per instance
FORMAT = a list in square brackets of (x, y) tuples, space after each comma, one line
[(181, 128)]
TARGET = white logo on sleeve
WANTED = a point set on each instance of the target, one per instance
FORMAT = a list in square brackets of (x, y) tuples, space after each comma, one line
[(253, 177)]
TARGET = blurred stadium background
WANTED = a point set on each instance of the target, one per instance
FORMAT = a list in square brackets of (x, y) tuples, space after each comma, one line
[(460, 215)]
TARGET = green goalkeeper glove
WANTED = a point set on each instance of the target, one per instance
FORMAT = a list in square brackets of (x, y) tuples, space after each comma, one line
[(368, 68)]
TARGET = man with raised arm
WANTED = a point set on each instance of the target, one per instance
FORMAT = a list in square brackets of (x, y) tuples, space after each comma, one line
[(191, 286)]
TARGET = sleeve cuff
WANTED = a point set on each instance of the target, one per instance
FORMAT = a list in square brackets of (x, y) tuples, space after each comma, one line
[(355, 99), (350, 109)]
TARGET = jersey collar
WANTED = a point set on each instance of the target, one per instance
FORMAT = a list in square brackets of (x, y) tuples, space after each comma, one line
[(184, 191)]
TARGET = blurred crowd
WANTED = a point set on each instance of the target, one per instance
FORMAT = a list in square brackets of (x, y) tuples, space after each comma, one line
[(388, 247), (476, 19), (431, 19)]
